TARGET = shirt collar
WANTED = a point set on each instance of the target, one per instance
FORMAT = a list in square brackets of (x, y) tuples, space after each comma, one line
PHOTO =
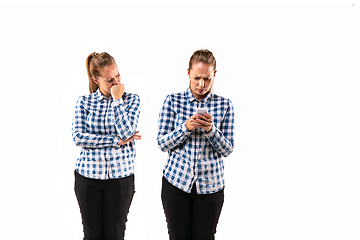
[(191, 97), (99, 95)]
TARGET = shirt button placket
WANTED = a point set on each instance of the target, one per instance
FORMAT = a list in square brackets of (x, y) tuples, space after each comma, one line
[(196, 151), (107, 153)]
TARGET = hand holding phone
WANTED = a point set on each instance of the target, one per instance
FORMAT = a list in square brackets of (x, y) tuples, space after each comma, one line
[(200, 120)]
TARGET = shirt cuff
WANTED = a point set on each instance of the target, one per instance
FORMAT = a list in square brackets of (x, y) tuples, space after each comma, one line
[(116, 141), (117, 102), (184, 129), (211, 133)]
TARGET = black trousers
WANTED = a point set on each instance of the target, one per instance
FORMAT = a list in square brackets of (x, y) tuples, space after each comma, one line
[(104, 205), (191, 216)]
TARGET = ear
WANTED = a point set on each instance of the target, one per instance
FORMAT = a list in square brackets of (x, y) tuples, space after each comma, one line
[(188, 71), (95, 80), (215, 73)]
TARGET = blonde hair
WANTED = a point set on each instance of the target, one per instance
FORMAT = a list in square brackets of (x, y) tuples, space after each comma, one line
[(94, 63), (204, 56)]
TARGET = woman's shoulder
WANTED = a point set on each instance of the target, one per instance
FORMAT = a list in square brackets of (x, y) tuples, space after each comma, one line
[(175, 99), (179, 96), (87, 97), (86, 101), (221, 99)]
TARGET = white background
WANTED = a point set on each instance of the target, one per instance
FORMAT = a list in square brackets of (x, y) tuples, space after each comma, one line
[(288, 68)]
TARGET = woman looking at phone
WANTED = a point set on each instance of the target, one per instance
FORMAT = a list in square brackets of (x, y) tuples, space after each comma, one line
[(193, 177), (104, 126)]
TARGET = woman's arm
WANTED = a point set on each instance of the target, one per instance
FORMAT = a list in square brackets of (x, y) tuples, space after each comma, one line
[(84, 139), (126, 117), (223, 139), (169, 136)]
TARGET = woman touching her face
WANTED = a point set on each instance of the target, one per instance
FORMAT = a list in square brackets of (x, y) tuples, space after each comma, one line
[(104, 127), (109, 82)]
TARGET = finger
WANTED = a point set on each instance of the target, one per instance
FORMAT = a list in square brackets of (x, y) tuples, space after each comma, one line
[(137, 137), (200, 116), (197, 124), (204, 123), (203, 119), (192, 123), (135, 133), (206, 117)]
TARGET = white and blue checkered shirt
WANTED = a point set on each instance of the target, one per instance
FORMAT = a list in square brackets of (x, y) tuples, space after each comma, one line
[(98, 123), (196, 156)]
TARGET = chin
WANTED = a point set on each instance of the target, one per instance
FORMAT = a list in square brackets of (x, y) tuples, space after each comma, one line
[(203, 93)]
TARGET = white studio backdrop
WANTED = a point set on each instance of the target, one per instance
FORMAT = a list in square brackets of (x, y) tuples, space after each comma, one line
[(288, 69)]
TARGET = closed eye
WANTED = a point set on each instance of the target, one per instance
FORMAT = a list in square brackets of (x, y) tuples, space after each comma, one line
[(112, 79), (205, 79)]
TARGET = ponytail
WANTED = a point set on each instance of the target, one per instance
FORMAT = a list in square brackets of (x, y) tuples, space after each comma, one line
[(92, 85)]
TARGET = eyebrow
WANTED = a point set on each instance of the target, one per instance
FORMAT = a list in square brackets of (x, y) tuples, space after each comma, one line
[(202, 77)]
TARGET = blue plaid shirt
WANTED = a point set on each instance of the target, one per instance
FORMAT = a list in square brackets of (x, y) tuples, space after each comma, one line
[(196, 156), (98, 124)]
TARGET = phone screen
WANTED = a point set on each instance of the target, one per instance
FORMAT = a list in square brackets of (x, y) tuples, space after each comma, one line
[(201, 111)]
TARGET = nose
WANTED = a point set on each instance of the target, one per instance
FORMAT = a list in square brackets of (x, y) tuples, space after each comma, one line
[(201, 83), (117, 79)]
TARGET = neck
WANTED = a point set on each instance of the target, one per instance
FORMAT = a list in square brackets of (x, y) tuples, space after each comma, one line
[(107, 95)]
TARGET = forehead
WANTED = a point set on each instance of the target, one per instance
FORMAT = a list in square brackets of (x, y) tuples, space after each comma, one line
[(202, 69), (109, 71)]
